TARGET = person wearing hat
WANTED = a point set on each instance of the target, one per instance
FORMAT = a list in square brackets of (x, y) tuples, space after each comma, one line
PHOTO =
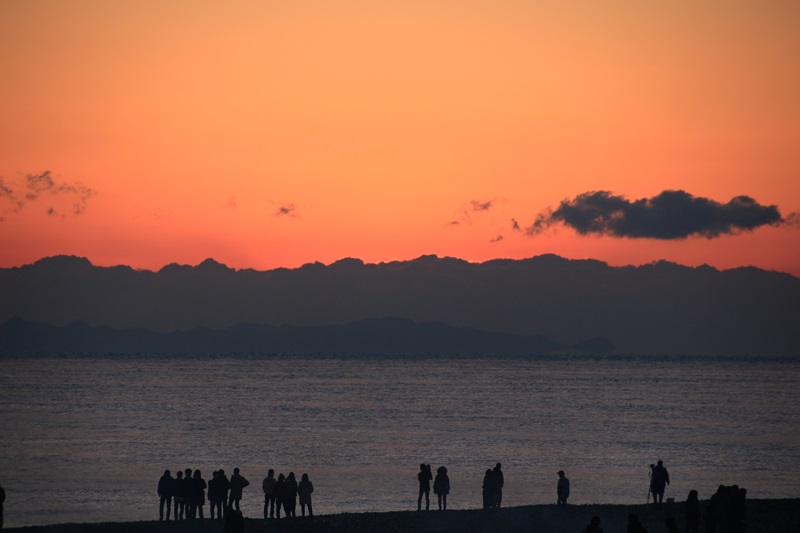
[(562, 489)]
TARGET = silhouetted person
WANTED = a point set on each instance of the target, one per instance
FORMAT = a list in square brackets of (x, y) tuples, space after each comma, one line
[(441, 487), (692, 512), (190, 502), (2, 502), (238, 482), (280, 494), (199, 490), (223, 487), (166, 489), (658, 481), (672, 527), (214, 496), (488, 489), (634, 526), (179, 492), (738, 498), (290, 501), (562, 489), (424, 477), (234, 521), (498, 485), (304, 490), (593, 526), (268, 486), (721, 509)]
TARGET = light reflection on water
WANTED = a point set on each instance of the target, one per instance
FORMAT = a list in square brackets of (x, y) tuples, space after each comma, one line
[(86, 439)]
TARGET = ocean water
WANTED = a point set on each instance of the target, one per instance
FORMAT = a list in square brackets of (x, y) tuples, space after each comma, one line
[(87, 438)]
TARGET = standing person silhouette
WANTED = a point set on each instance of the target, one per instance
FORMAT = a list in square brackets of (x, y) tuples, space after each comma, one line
[(488, 489), (177, 485), (280, 494), (268, 486), (2, 501), (238, 482), (441, 487), (658, 481), (693, 514), (166, 489), (304, 490), (215, 497), (290, 501), (499, 481), (189, 500), (199, 493), (424, 477), (562, 489)]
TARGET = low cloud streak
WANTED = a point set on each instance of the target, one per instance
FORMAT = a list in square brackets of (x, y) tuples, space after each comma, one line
[(34, 186)]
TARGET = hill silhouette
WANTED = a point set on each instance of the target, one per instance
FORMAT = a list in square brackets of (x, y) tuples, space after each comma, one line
[(373, 336), (656, 308)]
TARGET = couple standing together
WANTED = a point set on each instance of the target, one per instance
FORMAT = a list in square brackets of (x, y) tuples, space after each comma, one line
[(441, 486)]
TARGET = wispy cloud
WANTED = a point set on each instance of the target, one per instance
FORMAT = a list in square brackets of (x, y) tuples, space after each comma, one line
[(497, 239), (286, 210), (668, 215), (16, 194)]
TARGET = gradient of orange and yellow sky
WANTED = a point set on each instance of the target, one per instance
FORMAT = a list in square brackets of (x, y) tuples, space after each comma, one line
[(268, 134)]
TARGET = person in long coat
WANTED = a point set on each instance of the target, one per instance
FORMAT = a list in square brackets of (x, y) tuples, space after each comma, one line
[(441, 487), (304, 490)]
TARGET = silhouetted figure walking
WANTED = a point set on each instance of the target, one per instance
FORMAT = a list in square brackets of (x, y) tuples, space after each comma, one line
[(488, 489), (424, 477), (268, 486), (238, 482), (304, 490), (234, 521), (593, 526), (659, 479), (562, 489), (441, 487), (280, 494), (199, 489), (692, 512), (672, 527), (166, 489), (290, 501), (634, 526), (498, 484)]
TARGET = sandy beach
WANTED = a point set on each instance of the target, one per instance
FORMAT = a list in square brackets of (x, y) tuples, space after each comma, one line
[(764, 516)]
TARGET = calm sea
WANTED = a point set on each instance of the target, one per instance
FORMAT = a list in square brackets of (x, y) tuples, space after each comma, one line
[(86, 438)]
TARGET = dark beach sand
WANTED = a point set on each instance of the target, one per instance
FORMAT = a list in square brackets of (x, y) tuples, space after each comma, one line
[(773, 516)]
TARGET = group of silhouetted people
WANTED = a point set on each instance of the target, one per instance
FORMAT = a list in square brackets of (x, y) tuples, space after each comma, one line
[(441, 486), (493, 482), (187, 491), (283, 493)]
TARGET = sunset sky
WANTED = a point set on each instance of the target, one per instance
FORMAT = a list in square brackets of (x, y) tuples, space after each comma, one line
[(267, 134)]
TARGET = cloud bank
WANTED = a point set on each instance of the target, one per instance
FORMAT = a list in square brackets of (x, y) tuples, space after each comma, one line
[(668, 215), (18, 194)]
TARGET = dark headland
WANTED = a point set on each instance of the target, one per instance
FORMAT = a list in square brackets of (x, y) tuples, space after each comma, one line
[(763, 516)]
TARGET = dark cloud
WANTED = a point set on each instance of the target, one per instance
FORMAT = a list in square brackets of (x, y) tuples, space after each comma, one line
[(33, 186), (497, 239), (515, 225), (669, 215), (286, 210), (481, 206)]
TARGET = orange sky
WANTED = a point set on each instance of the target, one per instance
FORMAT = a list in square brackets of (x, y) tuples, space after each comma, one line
[(268, 134)]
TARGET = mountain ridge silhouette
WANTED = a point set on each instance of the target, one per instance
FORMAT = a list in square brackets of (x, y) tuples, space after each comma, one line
[(657, 308)]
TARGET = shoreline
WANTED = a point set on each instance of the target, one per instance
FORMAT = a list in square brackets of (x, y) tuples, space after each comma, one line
[(763, 516)]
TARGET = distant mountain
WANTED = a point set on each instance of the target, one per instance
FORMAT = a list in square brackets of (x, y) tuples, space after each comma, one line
[(373, 336), (656, 308)]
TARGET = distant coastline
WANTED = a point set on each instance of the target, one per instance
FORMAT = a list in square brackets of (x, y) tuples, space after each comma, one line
[(764, 516)]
